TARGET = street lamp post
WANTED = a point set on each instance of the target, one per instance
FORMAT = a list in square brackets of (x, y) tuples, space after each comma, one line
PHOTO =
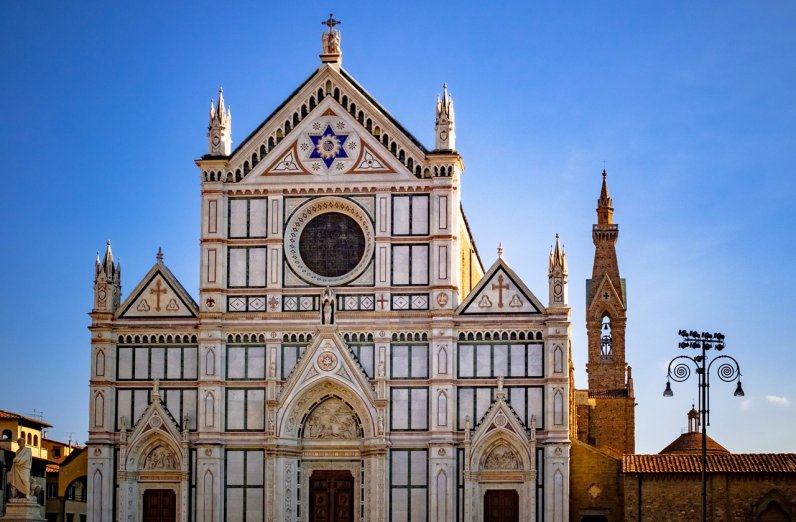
[(679, 370)]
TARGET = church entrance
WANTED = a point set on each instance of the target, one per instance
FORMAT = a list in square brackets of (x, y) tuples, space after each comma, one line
[(331, 496), (501, 505), (160, 505)]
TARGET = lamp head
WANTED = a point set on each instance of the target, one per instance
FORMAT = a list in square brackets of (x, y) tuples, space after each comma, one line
[(739, 390), (668, 391)]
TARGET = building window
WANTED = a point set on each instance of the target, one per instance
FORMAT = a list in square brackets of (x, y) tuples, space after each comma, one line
[(245, 409), (248, 217), (246, 267), (244, 484), (409, 485), (490, 360), (410, 215), (365, 354), (291, 353), (245, 362), (409, 409), (167, 363), (524, 400), (409, 361), (6, 435), (410, 265)]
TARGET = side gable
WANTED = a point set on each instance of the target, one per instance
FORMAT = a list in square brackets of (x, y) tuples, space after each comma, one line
[(158, 295), (500, 291)]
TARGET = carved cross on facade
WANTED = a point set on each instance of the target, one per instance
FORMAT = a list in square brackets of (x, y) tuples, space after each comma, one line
[(499, 286), (331, 22), (157, 291), (381, 300)]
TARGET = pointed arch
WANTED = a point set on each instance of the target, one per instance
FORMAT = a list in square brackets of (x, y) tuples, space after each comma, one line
[(442, 408), (96, 494), (208, 496), (210, 362), (558, 359), (210, 409), (442, 360), (99, 410), (558, 408), (606, 339), (99, 363), (442, 495)]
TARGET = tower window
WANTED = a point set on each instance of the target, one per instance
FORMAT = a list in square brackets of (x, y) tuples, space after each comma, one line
[(605, 337)]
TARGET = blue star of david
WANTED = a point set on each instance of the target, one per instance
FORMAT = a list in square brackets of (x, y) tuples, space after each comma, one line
[(328, 146)]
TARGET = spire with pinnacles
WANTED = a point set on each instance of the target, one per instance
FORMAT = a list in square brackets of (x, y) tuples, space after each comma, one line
[(445, 125), (558, 292), (219, 130), (107, 282), (605, 209)]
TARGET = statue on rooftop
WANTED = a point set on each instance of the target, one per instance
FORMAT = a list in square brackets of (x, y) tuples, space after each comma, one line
[(19, 478)]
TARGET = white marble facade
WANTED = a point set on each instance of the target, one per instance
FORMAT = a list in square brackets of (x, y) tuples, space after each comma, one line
[(344, 324)]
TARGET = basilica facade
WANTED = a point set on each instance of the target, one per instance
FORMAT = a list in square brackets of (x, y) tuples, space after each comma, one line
[(349, 357)]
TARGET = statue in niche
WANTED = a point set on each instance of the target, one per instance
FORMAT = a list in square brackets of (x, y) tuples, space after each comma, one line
[(502, 457), (327, 307), (333, 419), (160, 458)]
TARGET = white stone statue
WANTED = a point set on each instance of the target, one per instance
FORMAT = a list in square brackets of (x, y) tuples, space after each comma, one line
[(19, 477)]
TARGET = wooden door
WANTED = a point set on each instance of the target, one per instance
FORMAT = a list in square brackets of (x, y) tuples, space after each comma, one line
[(331, 496), (160, 505), (501, 505)]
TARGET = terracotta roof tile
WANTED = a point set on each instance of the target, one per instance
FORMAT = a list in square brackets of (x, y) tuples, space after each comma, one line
[(722, 463), (7, 415), (691, 442)]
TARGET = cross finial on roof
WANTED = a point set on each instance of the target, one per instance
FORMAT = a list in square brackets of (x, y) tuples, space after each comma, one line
[(159, 255), (500, 250), (331, 22)]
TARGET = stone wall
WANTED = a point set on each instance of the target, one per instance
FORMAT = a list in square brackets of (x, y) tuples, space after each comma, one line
[(738, 497), (596, 486)]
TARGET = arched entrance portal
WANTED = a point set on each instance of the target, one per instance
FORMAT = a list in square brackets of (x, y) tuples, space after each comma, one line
[(332, 429), (501, 505)]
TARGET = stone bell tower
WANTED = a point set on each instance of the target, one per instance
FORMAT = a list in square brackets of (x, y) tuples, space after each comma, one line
[(611, 420)]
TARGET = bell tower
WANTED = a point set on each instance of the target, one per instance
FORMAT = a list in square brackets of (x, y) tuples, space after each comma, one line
[(612, 416)]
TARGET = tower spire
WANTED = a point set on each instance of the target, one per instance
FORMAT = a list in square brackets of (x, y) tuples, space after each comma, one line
[(219, 130), (445, 124), (107, 282), (605, 208), (558, 294)]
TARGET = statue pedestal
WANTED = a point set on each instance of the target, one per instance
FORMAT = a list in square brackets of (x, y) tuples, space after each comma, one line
[(22, 510)]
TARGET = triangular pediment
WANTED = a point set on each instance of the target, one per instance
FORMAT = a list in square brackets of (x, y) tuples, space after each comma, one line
[(329, 127), (500, 291), (605, 295), (328, 357), (500, 426), (155, 419), (158, 295)]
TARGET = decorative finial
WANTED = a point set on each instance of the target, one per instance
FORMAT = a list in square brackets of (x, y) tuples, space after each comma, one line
[(159, 256), (500, 250), (330, 42)]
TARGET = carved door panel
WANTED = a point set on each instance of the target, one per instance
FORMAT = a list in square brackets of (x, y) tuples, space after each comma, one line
[(501, 505), (331, 496), (160, 505)]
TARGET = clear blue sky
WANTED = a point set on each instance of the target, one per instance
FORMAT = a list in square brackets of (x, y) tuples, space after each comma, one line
[(692, 106)]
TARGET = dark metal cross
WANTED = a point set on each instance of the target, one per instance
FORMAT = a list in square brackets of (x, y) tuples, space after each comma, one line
[(331, 22)]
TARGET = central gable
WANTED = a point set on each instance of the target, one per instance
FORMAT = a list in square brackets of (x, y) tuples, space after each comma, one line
[(330, 125)]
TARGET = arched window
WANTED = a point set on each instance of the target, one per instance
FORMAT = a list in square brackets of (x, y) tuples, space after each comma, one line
[(30, 439), (605, 337), (6, 435), (36, 441)]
